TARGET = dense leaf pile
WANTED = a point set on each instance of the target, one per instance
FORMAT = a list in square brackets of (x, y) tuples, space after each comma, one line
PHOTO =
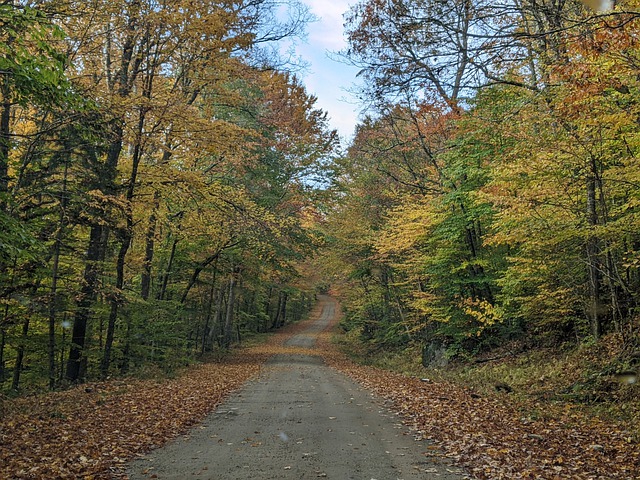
[(496, 438)]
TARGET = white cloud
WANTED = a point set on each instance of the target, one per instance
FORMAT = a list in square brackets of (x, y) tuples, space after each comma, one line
[(328, 31)]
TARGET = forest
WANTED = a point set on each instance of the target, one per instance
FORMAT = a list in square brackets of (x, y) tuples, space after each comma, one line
[(491, 194), (168, 186), (153, 192)]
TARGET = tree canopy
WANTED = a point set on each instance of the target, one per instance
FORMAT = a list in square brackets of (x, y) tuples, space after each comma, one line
[(490, 194), (152, 183), (156, 166)]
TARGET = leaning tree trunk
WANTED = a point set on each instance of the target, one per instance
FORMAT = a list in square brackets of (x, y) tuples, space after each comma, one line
[(200, 267)]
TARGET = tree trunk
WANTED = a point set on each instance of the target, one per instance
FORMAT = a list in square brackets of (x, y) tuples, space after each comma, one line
[(88, 294), (127, 73), (116, 301), (3, 341), (386, 295), (5, 140), (95, 253), (615, 283), (283, 309), (126, 350), (205, 263), (196, 274), (5, 146), (276, 317), (61, 369), (267, 310), (228, 322), (145, 284), (17, 370), (54, 281), (218, 316), (127, 235), (595, 301), (208, 328), (53, 308), (281, 313), (165, 276)]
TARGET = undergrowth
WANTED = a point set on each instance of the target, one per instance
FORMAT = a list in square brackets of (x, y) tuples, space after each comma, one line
[(540, 381)]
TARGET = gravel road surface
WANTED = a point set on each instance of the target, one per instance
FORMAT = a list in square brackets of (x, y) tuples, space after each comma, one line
[(298, 420)]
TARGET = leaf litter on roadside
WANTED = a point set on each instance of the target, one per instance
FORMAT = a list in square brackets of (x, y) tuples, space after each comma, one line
[(92, 431), (493, 437)]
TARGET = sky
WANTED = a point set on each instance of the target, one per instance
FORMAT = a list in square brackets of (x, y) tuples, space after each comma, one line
[(328, 79), (325, 78)]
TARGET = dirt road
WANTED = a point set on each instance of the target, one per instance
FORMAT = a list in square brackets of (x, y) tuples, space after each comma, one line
[(298, 420)]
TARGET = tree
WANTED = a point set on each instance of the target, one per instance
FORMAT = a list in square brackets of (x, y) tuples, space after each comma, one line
[(495, 140), (186, 165), (156, 61), (571, 182)]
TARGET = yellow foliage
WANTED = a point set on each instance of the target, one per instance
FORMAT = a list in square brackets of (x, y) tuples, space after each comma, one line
[(482, 311)]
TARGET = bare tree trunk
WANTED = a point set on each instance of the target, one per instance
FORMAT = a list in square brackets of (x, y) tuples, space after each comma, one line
[(228, 322), (595, 301), (145, 284)]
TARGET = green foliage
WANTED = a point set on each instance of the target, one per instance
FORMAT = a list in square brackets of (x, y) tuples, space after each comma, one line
[(155, 333), (29, 58), (15, 239)]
